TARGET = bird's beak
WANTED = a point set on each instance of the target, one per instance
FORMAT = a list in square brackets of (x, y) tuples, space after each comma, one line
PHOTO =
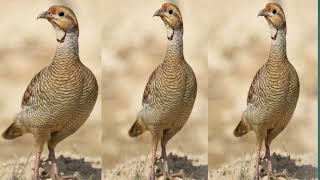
[(158, 12), (44, 15), (263, 12)]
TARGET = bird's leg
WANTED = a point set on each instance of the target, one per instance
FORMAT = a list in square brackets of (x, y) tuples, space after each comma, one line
[(165, 160), (268, 157), (152, 175), (271, 174), (37, 166), (55, 174), (55, 169), (258, 150), (166, 172), (39, 142)]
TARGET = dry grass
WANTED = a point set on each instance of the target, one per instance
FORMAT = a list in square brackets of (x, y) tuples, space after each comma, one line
[(18, 169)]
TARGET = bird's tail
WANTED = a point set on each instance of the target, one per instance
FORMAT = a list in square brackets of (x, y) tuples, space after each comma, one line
[(137, 128), (12, 132), (242, 128)]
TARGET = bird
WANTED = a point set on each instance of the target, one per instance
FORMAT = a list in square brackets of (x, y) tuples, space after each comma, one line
[(61, 97), (274, 91), (170, 93)]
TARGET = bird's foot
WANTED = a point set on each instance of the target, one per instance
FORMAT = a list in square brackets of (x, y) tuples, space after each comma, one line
[(68, 178), (58, 177), (35, 178), (275, 176), (167, 176), (257, 177), (173, 176), (55, 175), (152, 177)]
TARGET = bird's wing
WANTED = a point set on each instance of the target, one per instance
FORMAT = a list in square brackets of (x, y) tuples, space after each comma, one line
[(30, 91), (254, 88), (147, 94)]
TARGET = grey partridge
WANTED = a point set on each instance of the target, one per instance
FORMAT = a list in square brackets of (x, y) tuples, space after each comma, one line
[(274, 92), (170, 93), (60, 98)]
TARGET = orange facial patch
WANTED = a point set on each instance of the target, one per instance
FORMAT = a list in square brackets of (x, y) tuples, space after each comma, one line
[(53, 9), (272, 6), (165, 6), (269, 7)]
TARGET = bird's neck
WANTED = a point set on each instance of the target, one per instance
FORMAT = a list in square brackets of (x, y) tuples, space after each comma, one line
[(174, 52), (67, 50), (278, 50)]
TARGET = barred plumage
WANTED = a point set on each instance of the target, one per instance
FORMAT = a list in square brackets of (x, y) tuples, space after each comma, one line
[(274, 92), (60, 98), (170, 93)]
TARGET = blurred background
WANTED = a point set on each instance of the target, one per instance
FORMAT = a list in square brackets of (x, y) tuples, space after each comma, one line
[(239, 43), (134, 44), (28, 45)]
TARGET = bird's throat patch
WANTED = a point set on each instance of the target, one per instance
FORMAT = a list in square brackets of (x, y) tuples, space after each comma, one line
[(273, 30), (274, 33), (170, 32), (60, 34)]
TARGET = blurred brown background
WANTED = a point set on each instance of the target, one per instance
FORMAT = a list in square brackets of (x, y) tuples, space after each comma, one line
[(134, 44), (27, 45), (239, 46)]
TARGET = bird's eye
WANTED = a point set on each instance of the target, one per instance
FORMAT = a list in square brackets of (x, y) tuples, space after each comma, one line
[(61, 14), (170, 11), (274, 11)]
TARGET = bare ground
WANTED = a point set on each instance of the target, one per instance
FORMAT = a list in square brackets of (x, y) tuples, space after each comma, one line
[(192, 167), (69, 164), (296, 167)]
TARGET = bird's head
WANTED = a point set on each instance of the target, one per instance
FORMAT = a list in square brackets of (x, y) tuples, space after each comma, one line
[(63, 20), (274, 14), (171, 16)]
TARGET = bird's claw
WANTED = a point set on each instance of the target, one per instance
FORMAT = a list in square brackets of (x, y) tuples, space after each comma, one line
[(167, 176), (275, 176)]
